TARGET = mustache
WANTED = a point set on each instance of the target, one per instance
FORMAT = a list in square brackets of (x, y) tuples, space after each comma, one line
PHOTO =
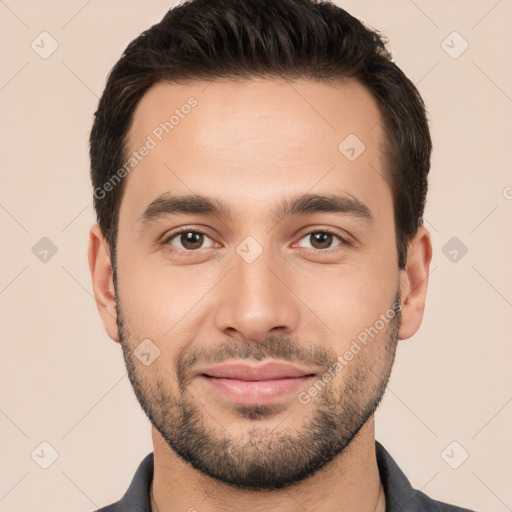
[(274, 347)]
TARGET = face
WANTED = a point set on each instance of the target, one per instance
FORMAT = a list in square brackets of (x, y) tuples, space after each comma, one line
[(256, 252)]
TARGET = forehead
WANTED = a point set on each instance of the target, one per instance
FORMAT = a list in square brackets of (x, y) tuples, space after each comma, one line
[(261, 137)]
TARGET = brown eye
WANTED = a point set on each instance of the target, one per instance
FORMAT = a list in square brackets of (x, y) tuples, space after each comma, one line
[(187, 240), (191, 240), (321, 240)]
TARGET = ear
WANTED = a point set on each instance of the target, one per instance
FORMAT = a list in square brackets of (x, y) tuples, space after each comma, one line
[(102, 280), (414, 282)]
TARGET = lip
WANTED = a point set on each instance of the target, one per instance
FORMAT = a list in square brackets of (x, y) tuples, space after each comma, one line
[(268, 371), (255, 385)]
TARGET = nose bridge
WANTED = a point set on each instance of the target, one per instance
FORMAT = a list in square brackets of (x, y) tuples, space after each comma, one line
[(255, 300)]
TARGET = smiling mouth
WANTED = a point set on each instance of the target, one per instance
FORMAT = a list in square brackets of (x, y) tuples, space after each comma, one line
[(263, 384), (256, 391)]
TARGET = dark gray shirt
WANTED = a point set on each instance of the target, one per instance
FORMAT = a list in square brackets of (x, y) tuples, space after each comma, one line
[(400, 496)]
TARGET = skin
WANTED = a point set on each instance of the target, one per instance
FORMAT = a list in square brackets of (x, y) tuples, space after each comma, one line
[(250, 144)]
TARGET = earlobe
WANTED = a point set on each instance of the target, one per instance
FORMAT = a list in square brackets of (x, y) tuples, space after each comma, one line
[(414, 282), (102, 280)]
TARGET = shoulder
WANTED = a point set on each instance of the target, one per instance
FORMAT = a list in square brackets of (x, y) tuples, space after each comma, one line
[(400, 495), (427, 504), (114, 507), (136, 498)]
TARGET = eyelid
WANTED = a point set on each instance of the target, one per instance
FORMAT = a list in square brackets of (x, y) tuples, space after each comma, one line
[(185, 229), (344, 239)]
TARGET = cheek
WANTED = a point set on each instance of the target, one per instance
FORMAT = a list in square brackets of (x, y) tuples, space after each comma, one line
[(159, 301), (349, 299), (340, 301)]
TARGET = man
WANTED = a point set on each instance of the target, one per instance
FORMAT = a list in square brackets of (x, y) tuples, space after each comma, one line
[(260, 174)]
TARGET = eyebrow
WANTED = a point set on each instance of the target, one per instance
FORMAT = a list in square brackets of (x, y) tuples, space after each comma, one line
[(332, 203), (168, 204)]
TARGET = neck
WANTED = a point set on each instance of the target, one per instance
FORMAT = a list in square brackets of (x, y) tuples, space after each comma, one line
[(350, 482)]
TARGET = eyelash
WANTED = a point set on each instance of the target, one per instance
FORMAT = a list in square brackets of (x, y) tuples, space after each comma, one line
[(166, 242), (193, 252)]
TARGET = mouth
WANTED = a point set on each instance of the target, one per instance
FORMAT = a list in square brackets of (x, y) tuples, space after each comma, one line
[(246, 384)]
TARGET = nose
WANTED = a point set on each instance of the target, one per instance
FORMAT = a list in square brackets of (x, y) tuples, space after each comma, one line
[(257, 298)]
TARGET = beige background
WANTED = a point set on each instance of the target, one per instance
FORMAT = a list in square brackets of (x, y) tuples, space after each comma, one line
[(64, 381)]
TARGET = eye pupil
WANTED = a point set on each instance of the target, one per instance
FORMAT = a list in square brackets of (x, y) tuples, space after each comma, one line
[(321, 240), (192, 239)]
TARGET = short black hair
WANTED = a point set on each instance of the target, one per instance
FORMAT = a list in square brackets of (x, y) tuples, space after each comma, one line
[(205, 40)]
